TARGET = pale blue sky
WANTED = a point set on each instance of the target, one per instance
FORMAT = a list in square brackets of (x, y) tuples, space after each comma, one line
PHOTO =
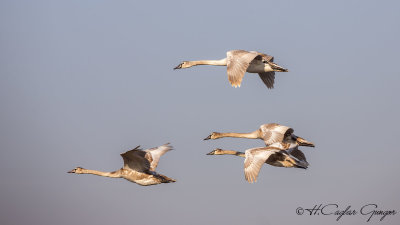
[(82, 81)]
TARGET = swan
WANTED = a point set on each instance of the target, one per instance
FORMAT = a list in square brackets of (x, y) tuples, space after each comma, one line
[(272, 133), (139, 166), (239, 62), (276, 160), (256, 157)]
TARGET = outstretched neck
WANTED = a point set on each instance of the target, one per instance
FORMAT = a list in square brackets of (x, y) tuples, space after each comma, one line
[(221, 62), (231, 152), (115, 174), (251, 135)]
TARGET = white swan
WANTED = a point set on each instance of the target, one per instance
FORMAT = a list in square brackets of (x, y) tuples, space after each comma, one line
[(256, 157), (271, 133), (239, 62)]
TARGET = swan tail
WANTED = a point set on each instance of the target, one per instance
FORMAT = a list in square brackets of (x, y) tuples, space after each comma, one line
[(303, 142), (277, 67)]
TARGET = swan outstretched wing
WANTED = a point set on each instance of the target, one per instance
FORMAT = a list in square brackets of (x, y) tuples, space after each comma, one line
[(135, 159), (295, 152), (237, 63), (266, 57), (268, 78), (255, 158), (274, 132), (156, 153)]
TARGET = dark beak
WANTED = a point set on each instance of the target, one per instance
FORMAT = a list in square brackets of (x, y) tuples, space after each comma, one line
[(71, 171), (208, 137), (178, 66), (211, 153)]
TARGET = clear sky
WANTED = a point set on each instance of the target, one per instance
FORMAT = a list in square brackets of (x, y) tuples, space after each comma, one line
[(83, 81)]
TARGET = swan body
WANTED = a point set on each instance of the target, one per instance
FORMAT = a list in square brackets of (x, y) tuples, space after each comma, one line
[(238, 62), (256, 157), (139, 167), (271, 133)]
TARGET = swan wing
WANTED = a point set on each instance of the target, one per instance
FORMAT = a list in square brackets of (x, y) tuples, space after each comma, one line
[(295, 152), (156, 153), (268, 78), (274, 132), (274, 160), (266, 57), (136, 159), (237, 63), (255, 158), (289, 160)]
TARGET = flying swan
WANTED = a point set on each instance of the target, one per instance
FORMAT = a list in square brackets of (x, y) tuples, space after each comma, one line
[(139, 166), (238, 62)]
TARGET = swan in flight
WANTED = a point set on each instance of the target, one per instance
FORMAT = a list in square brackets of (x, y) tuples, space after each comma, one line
[(271, 133), (238, 62), (278, 160), (256, 157), (139, 166)]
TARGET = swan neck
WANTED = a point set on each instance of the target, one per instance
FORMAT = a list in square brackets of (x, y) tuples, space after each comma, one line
[(251, 135), (115, 174), (231, 152), (221, 62)]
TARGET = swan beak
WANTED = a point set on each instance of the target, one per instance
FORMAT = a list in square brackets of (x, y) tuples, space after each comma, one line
[(211, 153), (178, 66), (208, 138), (71, 171)]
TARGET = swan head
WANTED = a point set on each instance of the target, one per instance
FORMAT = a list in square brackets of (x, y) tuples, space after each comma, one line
[(183, 65), (213, 135), (76, 170), (216, 151)]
